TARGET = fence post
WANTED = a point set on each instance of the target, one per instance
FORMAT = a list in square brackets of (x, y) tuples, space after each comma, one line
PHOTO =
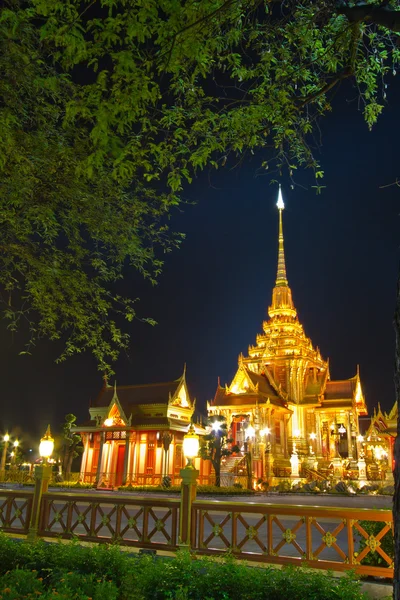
[(42, 478), (188, 495)]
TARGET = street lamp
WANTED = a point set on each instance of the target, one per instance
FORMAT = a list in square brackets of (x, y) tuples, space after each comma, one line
[(266, 432), (14, 452), (250, 431), (216, 426), (250, 434), (46, 445), (267, 456), (6, 440), (191, 446), (42, 478), (188, 491)]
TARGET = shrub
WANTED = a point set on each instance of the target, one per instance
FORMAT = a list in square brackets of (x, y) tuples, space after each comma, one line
[(234, 490), (76, 485), (75, 572), (150, 488), (284, 486)]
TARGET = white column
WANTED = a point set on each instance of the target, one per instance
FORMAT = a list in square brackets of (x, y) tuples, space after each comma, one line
[(349, 438), (84, 456)]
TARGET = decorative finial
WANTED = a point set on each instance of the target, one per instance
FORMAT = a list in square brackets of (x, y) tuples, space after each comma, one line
[(280, 203), (281, 278)]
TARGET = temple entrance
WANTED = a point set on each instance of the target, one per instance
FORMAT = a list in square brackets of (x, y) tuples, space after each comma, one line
[(119, 476), (238, 430)]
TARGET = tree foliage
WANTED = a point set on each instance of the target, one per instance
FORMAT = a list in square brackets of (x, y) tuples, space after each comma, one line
[(108, 107), (214, 445), (71, 445)]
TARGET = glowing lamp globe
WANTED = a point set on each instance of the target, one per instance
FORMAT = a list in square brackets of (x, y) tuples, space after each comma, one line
[(16, 444), (6, 437), (250, 431), (191, 444), (46, 445)]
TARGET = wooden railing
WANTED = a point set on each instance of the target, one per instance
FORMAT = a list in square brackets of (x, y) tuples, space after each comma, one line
[(15, 511), (140, 522), (325, 538)]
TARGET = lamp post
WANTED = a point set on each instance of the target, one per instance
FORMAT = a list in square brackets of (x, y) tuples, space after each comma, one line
[(250, 433), (42, 477), (361, 464), (6, 440), (269, 459), (337, 459), (14, 454), (189, 476), (312, 459), (217, 428), (166, 442), (294, 459)]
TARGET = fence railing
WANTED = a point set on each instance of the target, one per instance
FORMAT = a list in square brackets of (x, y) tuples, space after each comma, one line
[(325, 538), (141, 522), (15, 511), (320, 537)]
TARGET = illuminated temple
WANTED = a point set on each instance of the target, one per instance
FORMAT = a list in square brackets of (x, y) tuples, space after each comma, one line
[(135, 434), (286, 416), (282, 400)]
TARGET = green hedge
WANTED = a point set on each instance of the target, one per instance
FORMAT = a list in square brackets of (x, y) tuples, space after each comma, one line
[(75, 572), (201, 489)]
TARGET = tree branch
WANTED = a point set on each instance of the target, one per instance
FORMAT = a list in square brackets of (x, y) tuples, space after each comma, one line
[(379, 15), (347, 72)]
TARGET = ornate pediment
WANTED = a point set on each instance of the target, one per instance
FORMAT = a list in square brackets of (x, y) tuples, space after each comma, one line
[(241, 383), (181, 397), (116, 416)]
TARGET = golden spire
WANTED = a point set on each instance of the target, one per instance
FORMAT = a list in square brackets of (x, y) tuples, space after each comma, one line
[(282, 303), (281, 278)]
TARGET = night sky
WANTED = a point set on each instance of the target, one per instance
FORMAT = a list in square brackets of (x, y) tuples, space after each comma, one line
[(342, 254)]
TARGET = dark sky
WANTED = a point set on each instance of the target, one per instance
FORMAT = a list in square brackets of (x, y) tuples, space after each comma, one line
[(342, 254)]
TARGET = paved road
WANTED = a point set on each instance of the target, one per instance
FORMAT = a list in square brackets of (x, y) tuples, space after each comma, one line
[(357, 501)]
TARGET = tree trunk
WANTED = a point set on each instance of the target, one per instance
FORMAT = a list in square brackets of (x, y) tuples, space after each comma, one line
[(69, 464), (249, 470), (217, 463), (396, 497)]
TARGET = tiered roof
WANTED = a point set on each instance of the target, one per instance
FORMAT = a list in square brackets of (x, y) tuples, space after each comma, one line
[(289, 369)]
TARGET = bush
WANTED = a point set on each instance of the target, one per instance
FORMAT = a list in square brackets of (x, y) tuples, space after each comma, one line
[(234, 490), (149, 488), (76, 485), (75, 572)]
